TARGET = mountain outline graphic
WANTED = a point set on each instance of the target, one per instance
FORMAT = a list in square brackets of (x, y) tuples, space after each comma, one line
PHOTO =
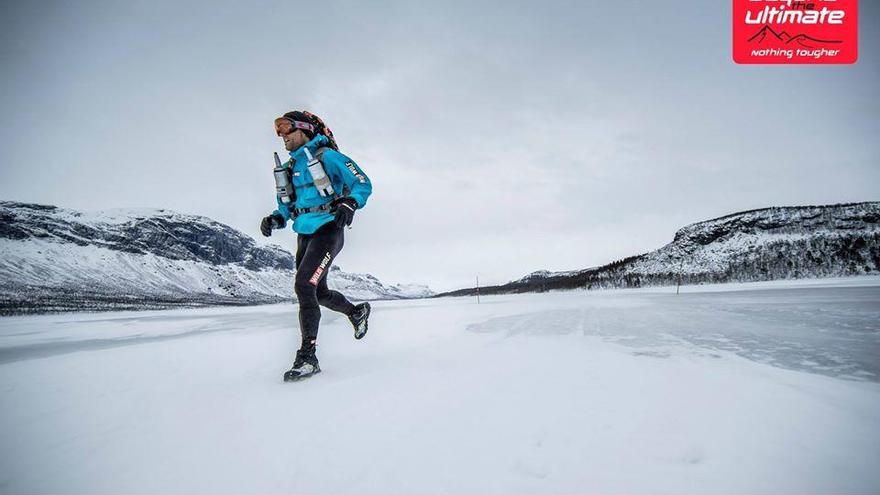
[(785, 38)]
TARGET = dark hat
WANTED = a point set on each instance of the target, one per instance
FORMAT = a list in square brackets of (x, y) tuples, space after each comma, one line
[(311, 125)]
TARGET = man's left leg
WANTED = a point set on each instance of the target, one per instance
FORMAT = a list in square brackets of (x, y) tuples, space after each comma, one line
[(336, 301), (332, 299), (357, 314)]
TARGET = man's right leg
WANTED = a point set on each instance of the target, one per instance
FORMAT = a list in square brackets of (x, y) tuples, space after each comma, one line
[(307, 260)]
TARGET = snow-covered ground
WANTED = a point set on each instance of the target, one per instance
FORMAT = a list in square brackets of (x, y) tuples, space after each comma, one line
[(767, 388)]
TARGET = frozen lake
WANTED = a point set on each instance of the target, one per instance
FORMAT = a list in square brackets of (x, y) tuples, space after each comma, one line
[(750, 388), (833, 331)]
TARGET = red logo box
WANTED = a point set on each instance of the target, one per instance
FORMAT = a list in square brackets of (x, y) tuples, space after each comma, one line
[(795, 31)]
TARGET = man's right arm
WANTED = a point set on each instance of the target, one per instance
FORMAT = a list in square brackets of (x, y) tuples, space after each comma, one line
[(282, 210), (276, 220)]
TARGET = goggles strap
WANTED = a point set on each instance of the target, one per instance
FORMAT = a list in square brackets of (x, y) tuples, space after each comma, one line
[(303, 125)]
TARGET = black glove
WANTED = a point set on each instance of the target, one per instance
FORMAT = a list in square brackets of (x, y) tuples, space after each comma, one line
[(273, 221), (344, 209)]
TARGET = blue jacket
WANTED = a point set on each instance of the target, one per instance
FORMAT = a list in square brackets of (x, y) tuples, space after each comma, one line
[(347, 179)]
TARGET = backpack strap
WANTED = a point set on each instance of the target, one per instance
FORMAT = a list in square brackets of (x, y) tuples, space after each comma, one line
[(319, 154)]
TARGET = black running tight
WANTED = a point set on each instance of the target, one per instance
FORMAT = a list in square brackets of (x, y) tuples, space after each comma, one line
[(314, 255)]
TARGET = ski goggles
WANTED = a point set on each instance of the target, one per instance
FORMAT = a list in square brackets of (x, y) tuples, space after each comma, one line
[(284, 126)]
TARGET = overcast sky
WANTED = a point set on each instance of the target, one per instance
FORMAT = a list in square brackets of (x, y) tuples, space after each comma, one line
[(501, 138)]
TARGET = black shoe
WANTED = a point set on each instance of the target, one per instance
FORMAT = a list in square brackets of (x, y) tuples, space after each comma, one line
[(305, 365), (359, 319)]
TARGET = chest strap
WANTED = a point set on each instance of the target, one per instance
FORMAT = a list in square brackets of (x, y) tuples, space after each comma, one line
[(325, 208)]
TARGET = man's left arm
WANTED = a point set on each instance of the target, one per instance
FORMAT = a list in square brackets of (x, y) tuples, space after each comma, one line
[(352, 176)]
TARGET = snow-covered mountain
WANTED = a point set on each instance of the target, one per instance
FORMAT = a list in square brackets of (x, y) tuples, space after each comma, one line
[(61, 259), (765, 244)]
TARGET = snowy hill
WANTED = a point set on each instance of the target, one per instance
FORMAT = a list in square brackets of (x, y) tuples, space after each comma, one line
[(61, 259), (755, 245), (540, 275)]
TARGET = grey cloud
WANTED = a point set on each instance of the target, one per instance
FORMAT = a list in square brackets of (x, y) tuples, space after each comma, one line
[(501, 137)]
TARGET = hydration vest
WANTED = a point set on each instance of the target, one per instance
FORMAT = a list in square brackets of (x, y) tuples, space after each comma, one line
[(320, 181)]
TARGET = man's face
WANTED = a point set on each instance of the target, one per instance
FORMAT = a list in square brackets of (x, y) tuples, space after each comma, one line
[(293, 138)]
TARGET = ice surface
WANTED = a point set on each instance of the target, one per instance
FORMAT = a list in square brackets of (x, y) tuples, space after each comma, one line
[(832, 331), (758, 388)]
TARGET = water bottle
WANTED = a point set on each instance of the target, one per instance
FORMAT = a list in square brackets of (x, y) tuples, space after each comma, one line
[(283, 185), (319, 176)]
